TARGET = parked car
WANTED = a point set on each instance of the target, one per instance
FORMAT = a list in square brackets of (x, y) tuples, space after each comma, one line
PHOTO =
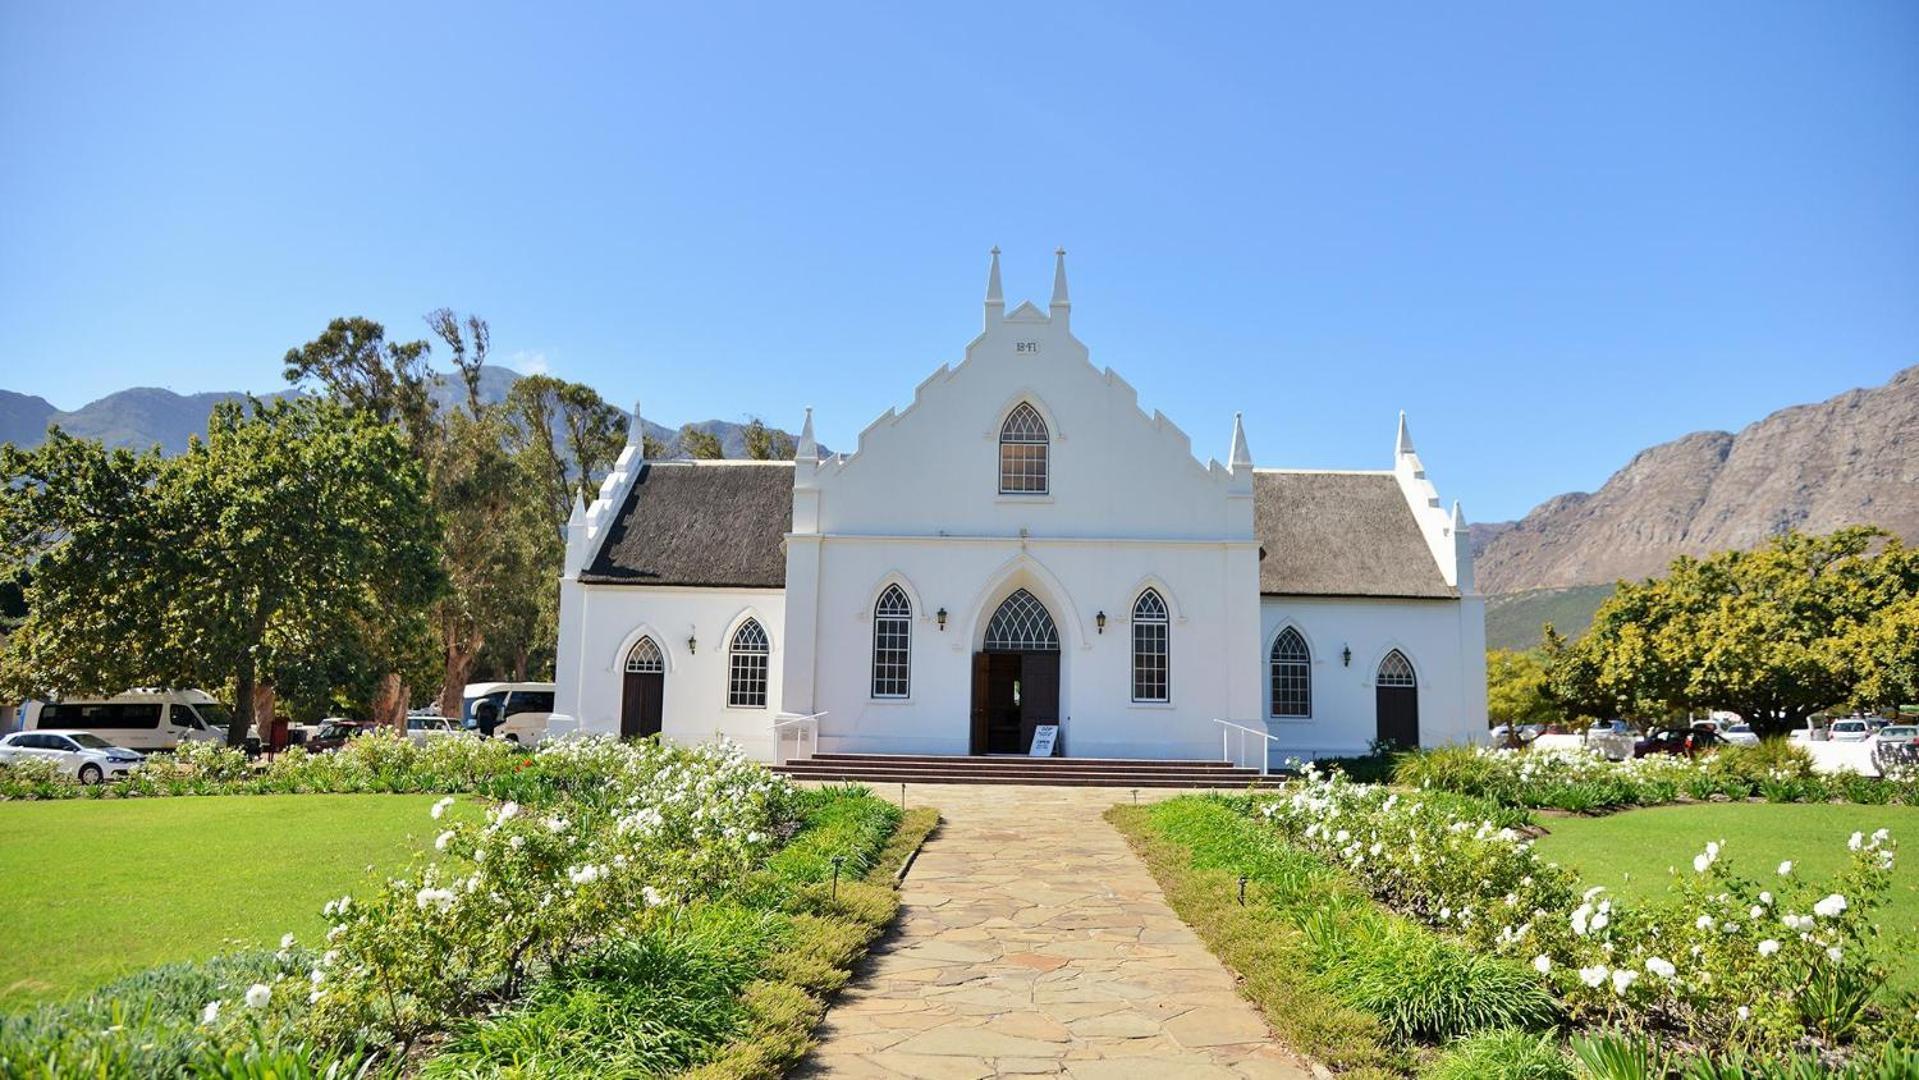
[(333, 734), (1697, 739), (1502, 735), (421, 726), (1613, 738), (1849, 730), (80, 754), (1895, 745), (1740, 735), (137, 719)]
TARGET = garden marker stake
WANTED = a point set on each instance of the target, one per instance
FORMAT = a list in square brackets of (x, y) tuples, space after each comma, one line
[(902, 794), (837, 860), (1242, 890), (1135, 796)]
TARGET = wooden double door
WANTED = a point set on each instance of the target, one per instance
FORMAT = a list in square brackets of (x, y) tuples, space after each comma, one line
[(1013, 694), (1398, 711), (642, 696)]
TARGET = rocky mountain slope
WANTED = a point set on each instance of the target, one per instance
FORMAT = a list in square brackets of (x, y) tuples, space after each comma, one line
[(1853, 459), (148, 416)]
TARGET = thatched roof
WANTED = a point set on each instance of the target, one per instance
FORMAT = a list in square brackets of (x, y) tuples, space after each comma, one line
[(705, 524), (724, 525), (1340, 534)]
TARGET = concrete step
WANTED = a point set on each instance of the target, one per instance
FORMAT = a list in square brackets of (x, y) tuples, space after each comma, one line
[(1022, 760), (1074, 772)]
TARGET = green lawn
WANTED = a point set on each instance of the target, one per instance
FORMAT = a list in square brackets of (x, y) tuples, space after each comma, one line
[(97, 889), (1633, 852)]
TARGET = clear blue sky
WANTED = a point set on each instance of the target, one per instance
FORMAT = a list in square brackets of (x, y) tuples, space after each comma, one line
[(1555, 233)]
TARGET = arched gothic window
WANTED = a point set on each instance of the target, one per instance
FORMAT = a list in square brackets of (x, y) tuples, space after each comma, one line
[(1292, 674), (746, 667), (645, 658), (892, 644), (1396, 670), (1023, 442), (1022, 624), (1150, 660)]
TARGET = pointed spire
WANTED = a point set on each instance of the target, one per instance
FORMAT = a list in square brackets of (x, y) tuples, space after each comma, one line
[(807, 449), (993, 293), (1242, 455), (578, 517), (636, 431), (1405, 443), (1059, 279), (1459, 519)]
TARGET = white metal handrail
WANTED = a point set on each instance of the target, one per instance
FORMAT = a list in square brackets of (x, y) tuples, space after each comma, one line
[(1226, 729), (802, 725)]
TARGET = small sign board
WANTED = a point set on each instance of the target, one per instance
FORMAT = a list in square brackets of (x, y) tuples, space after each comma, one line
[(1045, 737)]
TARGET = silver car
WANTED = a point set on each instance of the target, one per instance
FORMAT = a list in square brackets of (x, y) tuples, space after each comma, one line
[(80, 754), (1613, 738)]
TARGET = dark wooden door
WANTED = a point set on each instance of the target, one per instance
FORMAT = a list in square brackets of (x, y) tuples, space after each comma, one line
[(1398, 708), (642, 697), (1005, 697), (1039, 694), (982, 675)]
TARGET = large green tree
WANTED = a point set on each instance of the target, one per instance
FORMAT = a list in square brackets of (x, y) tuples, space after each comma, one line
[(1760, 633), (1516, 689), (292, 534)]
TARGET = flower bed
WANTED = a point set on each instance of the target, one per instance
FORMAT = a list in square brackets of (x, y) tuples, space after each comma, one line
[(1772, 963), (1581, 781), (684, 883)]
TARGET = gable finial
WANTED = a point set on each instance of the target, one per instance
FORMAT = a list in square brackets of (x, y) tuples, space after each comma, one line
[(636, 432), (578, 517), (807, 449), (1059, 279), (994, 297), (1459, 517), (1242, 455), (1404, 444)]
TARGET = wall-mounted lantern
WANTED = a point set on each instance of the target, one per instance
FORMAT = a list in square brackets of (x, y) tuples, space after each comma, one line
[(1100, 621), (940, 615), (692, 643), (1346, 656)]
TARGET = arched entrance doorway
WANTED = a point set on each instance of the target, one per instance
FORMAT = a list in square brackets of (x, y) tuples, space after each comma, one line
[(643, 690), (1015, 676), (1396, 697)]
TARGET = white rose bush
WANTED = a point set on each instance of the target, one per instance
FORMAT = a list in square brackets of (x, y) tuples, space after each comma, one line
[(524, 889), (1775, 963)]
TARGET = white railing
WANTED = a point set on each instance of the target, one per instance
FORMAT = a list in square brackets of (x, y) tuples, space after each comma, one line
[(1226, 730), (806, 736)]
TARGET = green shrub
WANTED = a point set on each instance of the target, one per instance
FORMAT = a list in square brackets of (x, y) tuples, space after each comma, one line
[(1506, 1054), (1616, 1056), (1423, 986), (645, 1004)]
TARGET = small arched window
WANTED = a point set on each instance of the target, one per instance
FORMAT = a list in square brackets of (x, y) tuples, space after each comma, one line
[(1150, 659), (1292, 674), (1396, 670), (746, 667), (1022, 624), (892, 644), (645, 658), (1023, 442)]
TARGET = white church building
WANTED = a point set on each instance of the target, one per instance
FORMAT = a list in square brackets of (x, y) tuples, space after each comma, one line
[(1023, 546)]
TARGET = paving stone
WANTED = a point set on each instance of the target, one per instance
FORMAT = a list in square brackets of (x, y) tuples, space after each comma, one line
[(1033, 942)]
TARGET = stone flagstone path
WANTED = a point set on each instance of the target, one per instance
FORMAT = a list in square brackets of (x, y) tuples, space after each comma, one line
[(1033, 941)]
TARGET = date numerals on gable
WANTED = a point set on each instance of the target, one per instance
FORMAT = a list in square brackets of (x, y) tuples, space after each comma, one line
[(1026, 348)]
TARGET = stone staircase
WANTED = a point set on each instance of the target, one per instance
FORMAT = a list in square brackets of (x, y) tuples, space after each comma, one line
[(1018, 769)]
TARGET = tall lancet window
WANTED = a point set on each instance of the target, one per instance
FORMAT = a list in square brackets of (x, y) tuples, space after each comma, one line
[(1022, 452), (1292, 664), (746, 667), (892, 644), (1149, 648)]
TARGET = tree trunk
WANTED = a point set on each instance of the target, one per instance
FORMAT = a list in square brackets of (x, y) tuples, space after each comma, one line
[(390, 702), (244, 686), (519, 664), (461, 652)]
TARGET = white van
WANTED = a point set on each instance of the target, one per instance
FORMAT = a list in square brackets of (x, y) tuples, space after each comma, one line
[(524, 708), (137, 719)]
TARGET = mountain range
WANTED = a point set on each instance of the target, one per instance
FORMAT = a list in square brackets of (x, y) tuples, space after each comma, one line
[(1850, 460), (149, 416)]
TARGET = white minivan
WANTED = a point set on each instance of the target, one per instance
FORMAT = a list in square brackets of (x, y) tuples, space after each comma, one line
[(137, 719), (524, 708)]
